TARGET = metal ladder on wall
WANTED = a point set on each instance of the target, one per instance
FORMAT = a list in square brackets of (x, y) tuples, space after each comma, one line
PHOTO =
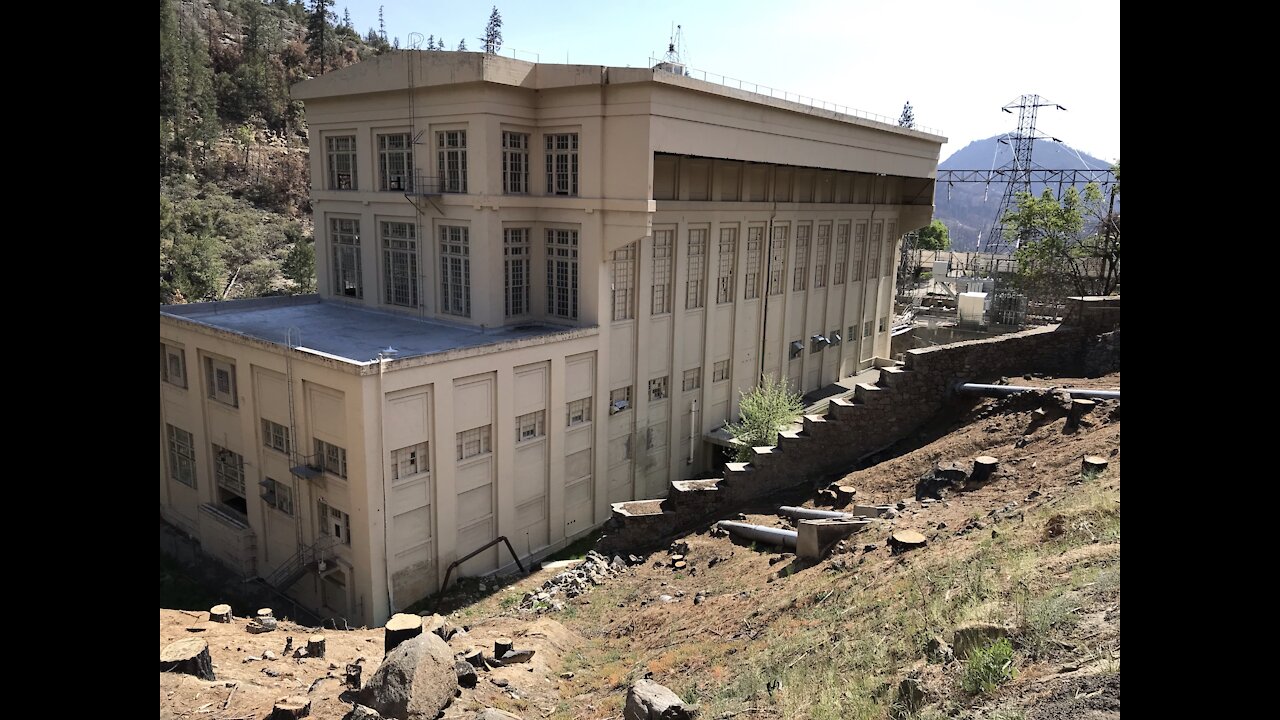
[(302, 562)]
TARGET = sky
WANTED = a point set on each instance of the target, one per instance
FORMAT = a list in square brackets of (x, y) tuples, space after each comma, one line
[(958, 62)]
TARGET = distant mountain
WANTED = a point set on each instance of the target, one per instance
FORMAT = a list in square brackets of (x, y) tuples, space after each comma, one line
[(968, 209)]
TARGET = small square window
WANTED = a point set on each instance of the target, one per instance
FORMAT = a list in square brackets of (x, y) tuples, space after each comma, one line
[(409, 461), (658, 388), (720, 371), (579, 412), (619, 400), (692, 379), (531, 426)]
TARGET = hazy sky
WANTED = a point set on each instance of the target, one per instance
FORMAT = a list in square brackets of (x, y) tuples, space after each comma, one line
[(957, 61)]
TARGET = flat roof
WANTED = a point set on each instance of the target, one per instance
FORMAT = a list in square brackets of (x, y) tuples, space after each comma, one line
[(349, 333)]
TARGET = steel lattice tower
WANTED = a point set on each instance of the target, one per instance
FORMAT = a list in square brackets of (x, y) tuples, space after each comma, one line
[(1019, 169)]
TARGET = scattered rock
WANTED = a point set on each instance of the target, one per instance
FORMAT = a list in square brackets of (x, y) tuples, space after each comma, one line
[(500, 682), (573, 582), (913, 696), (361, 712), (466, 674), (495, 714), (699, 598), (869, 547), (268, 655), (938, 650), (666, 598), (566, 676), (439, 625), (647, 700), (415, 681)]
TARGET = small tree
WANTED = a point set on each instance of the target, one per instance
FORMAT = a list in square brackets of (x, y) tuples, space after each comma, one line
[(462, 45), (762, 412), (493, 33), (1073, 241), (318, 31), (908, 117), (935, 237), (300, 264)]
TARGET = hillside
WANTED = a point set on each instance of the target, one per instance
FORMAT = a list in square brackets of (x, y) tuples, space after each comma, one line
[(235, 216), (750, 633), (968, 209)]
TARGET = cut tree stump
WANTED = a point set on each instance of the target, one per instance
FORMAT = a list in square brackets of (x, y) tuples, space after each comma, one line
[(315, 646), (679, 565), (903, 540), (1093, 464), (501, 646), (189, 656), (265, 613), (983, 467), (474, 657), (1081, 406), (291, 708), (220, 613), (844, 494), (675, 559), (399, 628), (352, 675)]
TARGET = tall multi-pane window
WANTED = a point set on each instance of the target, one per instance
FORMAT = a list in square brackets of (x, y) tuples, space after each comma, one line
[(173, 365), (331, 458), (395, 162), (859, 248), (278, 495), (562, 164), (455, 271), (409, 461), (890, 241), (515, 163), (515, 260), (696, 285), (275, 436), (334, 523), (562, 273), (692, 379), (720, 371), (724, 271), (800, 281), (452, 146), (661, 272), (228, 470), (579, 411), (820, 257), (400, 263), (624, 270), (778, 260), (873, 256), (220, 377), (842, 253), (182, 456), (341, 152), (531, 426), (751, 282), (475, 441), (344, 238)]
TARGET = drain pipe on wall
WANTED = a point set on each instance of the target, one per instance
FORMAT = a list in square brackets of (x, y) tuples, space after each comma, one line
[(693, 429), (382, 462)]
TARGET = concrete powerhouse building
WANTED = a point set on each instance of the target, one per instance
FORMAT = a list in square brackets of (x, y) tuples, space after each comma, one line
[(540, 288)]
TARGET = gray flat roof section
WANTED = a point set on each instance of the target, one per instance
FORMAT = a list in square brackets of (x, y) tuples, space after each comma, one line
[(350, 333)]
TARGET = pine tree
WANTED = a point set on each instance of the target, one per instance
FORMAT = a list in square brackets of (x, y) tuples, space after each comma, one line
[(431, 42), (908, 117), (462, 45), (493, 33), (318, 31), (382, 26), (346, 19)]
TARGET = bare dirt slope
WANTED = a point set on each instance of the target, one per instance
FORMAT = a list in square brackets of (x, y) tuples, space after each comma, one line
[(748, 632)]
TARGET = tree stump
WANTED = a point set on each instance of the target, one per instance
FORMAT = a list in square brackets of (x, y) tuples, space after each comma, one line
[(1081, 406), (983, 467), (675, 559), (315, 646), (220, 613), (1093, 465), (904, 540), (189, 656), (474, 657), (844, 494), (679, 565), (399, 628), (264, 613), (291, 708), (501, 646), (827, 497), (352, 675)]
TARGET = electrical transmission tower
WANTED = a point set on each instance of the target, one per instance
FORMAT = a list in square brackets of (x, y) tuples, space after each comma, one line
[(1019, 169)]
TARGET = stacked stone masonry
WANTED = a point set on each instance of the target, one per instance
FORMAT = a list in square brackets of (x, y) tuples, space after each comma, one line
[(876, 416)]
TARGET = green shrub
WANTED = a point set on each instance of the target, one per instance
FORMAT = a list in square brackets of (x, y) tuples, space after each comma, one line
[(989, 667)]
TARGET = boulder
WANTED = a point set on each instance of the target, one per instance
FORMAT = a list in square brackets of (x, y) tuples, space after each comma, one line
[(440, 626), (466, 674), (495, 714), (647, 700), (415, 681), (360, 712)]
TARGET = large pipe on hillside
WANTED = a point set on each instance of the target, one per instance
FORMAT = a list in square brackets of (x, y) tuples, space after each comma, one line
[(1003, 390), (773, 536), (801, 513)]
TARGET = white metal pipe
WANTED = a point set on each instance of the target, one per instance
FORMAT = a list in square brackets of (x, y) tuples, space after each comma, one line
[(693, 428), (1002, 390), (773, 536), (812, 514)]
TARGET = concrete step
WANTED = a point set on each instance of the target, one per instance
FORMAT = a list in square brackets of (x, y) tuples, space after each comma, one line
[(870, 394), (894, 376), (813, 422)]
